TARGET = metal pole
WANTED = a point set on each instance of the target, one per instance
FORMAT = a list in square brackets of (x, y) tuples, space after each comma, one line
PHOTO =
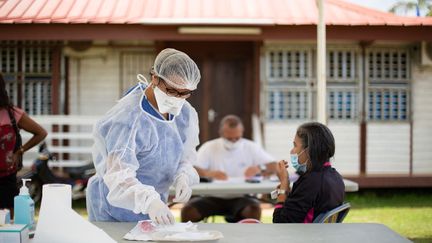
[(321, 68)]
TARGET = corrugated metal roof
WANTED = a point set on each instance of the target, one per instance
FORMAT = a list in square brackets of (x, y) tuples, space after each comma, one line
[(207, 12)]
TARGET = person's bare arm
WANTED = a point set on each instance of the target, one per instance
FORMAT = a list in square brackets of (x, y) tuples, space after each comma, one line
[(215, 174), (251, 171), (34, 128), (271, 168), (283, 176)]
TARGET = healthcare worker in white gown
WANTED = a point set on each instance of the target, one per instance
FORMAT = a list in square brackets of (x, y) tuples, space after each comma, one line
[(146, 143)]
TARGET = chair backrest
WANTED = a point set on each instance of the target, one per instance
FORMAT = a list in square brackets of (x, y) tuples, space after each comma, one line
[(336, 215), (249, 221)]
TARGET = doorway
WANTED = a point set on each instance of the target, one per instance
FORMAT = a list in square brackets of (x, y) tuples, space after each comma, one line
[(226, 85)]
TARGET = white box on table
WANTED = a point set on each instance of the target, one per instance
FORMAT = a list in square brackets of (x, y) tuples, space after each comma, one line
[(14, 233)]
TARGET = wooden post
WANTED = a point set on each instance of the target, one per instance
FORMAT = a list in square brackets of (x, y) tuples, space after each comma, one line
[(363, 124), (66, 104), (256, 78), (20, 76), (55, 89), (205, 79), (55, 80)]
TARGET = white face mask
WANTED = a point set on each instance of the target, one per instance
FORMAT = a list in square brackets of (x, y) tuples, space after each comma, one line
[(230, 145), (168, 104)]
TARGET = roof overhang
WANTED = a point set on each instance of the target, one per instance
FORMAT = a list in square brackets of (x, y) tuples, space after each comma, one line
[(213, 32)]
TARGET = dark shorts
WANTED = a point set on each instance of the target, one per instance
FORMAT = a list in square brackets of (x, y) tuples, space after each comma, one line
[(229, 207), (8, 190)]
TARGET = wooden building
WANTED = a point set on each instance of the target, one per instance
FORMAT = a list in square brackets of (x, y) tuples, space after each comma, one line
[(257, 59)]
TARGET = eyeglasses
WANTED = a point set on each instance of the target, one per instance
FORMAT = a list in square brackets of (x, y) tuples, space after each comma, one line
[(174, 92)]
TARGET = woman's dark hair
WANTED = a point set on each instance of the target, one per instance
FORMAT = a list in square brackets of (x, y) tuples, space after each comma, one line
[(319, 141), (5, 102)]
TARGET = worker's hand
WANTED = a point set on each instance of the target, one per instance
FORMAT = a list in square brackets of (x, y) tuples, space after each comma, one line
[(183, 190), (251, 171), (217, 174), (17, 158), (282, 172), (159, 212)]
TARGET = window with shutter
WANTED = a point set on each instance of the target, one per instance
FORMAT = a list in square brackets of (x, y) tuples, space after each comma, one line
[(290, 82), (288, 76), (34, 58), (388, 84), (133, 63), (343, 82)]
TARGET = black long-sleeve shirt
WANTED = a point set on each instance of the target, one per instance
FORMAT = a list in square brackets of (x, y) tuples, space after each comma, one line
[(314, 193)]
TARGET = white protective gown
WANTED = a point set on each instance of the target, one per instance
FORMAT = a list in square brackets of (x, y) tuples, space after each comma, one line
[(137, 157)]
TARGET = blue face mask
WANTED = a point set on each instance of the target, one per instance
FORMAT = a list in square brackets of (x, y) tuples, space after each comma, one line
[(295, 163)]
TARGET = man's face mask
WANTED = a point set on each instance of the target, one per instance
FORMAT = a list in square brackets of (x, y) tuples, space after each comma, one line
[(168, 104), (230, 145), (295, 163)]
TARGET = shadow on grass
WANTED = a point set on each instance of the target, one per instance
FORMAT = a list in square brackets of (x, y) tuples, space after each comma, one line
[(375, 198), (421, 240)]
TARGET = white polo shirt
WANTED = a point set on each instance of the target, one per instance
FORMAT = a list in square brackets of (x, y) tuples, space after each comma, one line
[(212, 155)]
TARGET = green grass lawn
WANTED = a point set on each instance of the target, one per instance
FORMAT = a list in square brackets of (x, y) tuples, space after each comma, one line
[(408, 212)]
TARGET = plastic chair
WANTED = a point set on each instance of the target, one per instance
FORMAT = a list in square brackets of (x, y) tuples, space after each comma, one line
[(243, 221), (249, 221), (336, 215)]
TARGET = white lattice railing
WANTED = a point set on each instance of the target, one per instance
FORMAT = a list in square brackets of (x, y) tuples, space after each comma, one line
[(70, 137)]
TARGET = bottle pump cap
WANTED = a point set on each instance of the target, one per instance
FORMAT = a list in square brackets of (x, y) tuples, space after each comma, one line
[(24, 190)]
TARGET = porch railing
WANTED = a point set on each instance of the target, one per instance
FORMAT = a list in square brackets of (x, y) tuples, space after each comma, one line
[(69, 139)]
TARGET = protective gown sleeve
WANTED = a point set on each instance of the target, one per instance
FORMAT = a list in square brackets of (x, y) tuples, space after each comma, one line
[(125, 190), (189, 155)]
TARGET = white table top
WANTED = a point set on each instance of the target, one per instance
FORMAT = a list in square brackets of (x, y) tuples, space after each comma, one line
[(258, 233), (237, 186)]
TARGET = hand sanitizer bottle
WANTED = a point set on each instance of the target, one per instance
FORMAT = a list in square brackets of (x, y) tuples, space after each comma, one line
[(24, 207)]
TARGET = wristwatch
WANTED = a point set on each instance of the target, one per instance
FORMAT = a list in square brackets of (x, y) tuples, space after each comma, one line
[(263, 168), (274, 194), (280, 192)]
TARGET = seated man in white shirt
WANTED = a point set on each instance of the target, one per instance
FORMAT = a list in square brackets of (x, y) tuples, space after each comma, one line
[(227, 157)]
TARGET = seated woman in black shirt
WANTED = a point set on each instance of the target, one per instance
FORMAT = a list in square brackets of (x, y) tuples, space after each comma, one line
[(319, 188)]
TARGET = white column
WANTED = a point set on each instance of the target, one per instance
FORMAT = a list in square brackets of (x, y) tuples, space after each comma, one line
[(321, 69)]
